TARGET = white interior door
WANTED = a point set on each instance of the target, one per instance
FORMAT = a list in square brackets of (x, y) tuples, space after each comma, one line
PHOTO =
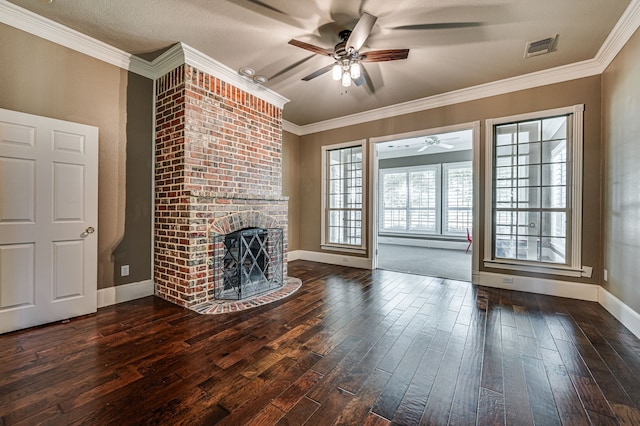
[(48, 220)]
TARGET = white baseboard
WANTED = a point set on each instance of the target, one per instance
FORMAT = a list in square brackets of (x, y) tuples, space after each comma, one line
[(541, 286), (623, 313), (293, 255), (124, 293), (417, 242), (333, 259)]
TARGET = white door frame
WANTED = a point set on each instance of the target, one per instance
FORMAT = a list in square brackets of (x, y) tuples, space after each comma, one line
[(474, 126)]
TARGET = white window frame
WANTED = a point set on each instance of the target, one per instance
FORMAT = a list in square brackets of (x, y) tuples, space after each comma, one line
[(324, 244), (573, 267), (445, 196)]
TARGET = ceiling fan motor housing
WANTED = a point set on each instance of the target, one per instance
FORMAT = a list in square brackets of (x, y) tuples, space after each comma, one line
[(341, 48)]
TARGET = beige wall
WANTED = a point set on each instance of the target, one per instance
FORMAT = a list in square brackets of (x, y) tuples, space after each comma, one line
[(291, 185), (583, 91), (621, 165), (42, 78)]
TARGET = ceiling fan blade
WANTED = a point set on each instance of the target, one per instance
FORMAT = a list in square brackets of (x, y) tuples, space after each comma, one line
[(266, 6), (423, 148), (311, 47), (438, 26), (445, 145), (318, 73), (384, 55), (290, 67), (360, 32), (360, 80), (367, 79)]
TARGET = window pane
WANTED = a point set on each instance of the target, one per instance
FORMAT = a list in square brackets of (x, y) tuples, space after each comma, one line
[(553, 250), (529, 153), (458, 199), (554, 224), (527, 248), (423, 220), (529, 175), (394, 190), (506, 134), (554, 128), (529, 131), (531, 204), (554, 151), (423, 189), (505, 246), (393, 219), (528, 198), (529, 223), (344, 198), (554, 197)]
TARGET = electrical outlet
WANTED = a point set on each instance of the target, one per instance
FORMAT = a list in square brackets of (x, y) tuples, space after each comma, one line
[(124, 270)]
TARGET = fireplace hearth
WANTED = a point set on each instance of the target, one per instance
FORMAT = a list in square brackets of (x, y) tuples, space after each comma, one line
[(247, 263)]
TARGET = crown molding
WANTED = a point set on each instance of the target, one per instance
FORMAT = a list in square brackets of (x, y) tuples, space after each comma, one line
[(500, 87), (217, 69), (182, 53), (290, 127), (32, 23), (626, 26), (618, 37), (45, 28), (25, 20)]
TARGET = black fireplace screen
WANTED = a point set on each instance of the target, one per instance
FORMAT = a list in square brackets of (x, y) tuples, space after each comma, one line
[(247, 262)]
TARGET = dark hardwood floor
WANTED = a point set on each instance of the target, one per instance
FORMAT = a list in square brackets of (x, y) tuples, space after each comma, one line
[(351, 347)]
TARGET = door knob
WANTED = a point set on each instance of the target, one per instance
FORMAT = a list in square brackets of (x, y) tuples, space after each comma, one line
[(90, 230)]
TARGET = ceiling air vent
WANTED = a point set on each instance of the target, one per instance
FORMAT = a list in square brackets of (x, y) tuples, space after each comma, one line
[(540, 47)]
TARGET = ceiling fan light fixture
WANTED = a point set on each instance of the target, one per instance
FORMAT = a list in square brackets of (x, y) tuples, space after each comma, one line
[(336, 71), (354, 70), (346, 79)]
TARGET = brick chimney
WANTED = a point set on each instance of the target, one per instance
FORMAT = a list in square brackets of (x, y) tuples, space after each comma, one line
[(218, 166)]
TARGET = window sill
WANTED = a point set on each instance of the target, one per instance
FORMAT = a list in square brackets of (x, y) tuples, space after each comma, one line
[(539, 269), (344, 249)]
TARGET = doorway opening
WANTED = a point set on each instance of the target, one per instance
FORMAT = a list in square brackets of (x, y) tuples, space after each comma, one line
[(424, 202)]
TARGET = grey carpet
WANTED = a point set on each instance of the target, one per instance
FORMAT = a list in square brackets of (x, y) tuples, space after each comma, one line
[(442, 263)]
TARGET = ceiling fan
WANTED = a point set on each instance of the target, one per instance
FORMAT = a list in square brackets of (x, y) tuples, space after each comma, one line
[(347, 56), (435, 141)]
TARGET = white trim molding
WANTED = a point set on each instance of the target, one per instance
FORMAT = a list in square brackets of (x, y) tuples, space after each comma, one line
[(574, 155), (618, 37), (536, 285), (334, 259), (623, 313), (324, 243), (32, 23), (25, 20), (182, 53), (293, 255), (450, 244), (124, 293)]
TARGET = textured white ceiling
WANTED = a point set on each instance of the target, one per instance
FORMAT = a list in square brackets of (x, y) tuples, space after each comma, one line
[(255, 33)]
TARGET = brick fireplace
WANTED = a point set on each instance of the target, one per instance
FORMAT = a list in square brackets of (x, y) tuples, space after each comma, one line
[(218, 169)]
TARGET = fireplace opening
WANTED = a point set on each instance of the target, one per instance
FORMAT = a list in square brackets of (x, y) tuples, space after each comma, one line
[(247, 263)]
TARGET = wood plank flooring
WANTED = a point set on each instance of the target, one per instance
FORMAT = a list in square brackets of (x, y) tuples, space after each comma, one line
[(351, 347)]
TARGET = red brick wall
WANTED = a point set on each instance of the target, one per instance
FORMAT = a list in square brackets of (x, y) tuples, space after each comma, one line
[(218, 152)]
